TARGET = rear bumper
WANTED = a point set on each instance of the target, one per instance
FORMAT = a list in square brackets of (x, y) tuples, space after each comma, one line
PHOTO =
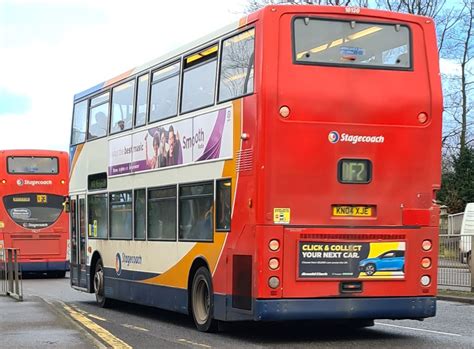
[(344, 308), (44, 266)]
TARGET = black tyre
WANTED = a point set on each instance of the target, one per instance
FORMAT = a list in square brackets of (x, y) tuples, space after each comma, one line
[(202, 301), (370, 269), (99, 279)]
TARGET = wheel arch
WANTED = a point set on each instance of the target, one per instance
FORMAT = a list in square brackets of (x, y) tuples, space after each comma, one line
[(198, 262), (95, 257)]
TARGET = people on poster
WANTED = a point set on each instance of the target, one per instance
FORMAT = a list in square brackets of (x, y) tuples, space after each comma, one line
[(166, 150), (174, 154), (153, 161)]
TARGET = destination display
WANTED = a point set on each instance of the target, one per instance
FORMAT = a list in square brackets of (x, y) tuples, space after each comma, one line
[(203, 137), (353, 260)]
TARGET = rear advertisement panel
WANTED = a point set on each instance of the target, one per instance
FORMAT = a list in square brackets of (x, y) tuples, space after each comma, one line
[(351, 260), (203, 137)]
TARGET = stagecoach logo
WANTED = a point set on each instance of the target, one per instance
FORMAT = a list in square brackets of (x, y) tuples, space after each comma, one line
[(334, 137), (118, 264), (21, 182)]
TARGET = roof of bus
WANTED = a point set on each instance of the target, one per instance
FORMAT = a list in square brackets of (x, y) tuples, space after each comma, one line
[(32, 152), (346, 10)]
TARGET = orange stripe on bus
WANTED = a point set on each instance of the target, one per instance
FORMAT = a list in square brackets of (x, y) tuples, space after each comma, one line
[(176, 276), (76, 157), (118, 78)]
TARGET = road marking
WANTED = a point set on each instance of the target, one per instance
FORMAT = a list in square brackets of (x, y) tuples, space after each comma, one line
[(182, 340), (97, 317), (105, 335), (135, 327), (88, 314), (420, 329)]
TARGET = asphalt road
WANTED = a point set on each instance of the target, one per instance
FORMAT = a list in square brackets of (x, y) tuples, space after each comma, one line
[(145, 327)]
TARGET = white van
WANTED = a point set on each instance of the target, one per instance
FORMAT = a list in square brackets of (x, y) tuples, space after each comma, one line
[(467, 234)]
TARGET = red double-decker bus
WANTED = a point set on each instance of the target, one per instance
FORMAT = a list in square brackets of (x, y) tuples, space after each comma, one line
[(282, 168), (33, 190)]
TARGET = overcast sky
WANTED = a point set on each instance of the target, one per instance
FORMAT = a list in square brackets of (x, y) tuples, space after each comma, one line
[(52, 49)]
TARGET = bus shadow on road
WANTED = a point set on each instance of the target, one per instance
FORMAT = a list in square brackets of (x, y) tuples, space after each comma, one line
[(303, 331), (261, 332)]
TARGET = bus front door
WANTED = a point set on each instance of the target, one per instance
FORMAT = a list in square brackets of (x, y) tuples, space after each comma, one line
[(78, 242)]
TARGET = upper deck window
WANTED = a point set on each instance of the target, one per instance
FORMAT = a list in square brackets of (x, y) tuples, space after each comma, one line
[(98, 116), (32, 165), (237, 66), (142, 95), (351, 43), (122, 107), (164, 93), (199, 79), (79, 123)]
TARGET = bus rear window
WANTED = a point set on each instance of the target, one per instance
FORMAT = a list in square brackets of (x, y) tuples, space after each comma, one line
[(351, 43), (32, 165)]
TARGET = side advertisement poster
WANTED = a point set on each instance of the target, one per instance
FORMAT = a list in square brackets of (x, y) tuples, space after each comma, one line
[(353, 260), (203, 137)]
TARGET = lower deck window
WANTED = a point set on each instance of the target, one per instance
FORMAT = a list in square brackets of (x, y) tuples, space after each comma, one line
[(162, 214), (121, 215), (196, 212), (97, 216)]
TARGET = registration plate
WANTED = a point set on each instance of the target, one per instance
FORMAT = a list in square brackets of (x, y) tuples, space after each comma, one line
[(352, 211)]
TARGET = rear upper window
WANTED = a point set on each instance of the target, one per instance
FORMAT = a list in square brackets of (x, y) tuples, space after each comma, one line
[(32, 165), (351, 43)]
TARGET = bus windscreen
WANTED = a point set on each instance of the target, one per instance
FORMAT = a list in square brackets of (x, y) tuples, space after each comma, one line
[(34, 211), (32, 165), (351, 43)]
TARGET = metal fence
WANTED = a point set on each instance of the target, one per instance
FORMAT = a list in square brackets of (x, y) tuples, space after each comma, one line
[(10, 275), (455, 265)]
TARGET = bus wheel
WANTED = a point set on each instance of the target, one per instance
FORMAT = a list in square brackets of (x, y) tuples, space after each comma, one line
[(100, 298), (370, 269), (202, 303)]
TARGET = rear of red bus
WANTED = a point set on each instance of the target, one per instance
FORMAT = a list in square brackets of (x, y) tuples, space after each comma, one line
[(348, 165), (33, 190)]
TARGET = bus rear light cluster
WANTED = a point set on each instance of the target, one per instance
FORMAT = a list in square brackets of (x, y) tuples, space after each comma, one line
[(274, 245), (426, 262), (273, 263), (63, 181), (425, 280), (4, 181), (426, 245), (274, 282)]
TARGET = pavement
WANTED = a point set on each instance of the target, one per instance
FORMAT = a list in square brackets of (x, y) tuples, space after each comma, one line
[(35, 323)]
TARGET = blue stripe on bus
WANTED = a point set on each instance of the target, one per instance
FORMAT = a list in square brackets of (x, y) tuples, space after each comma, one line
[(130, 275), (175, 299), (44, 266), (89, 91), (344, 308)]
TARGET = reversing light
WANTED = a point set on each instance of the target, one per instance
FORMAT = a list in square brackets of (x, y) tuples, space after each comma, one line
[(425, 280), (274, 245), (4, 181), (284, 111), (63, 181), (426, 245), (273, 263), (426, 262), (422, 118), (274, 282)]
